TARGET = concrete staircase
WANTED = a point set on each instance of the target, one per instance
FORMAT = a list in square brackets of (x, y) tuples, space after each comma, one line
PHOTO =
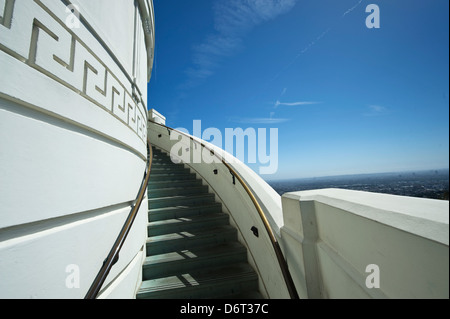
[(192, 251)]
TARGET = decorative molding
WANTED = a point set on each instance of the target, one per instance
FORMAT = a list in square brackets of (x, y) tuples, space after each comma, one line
[(33, 34), (148, 23), (6, 16)]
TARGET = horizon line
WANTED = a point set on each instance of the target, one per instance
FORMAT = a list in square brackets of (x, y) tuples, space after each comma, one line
[(357, 174)]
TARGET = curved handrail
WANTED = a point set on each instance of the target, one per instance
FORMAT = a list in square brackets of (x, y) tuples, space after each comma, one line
[(282, 262), (113, 255)]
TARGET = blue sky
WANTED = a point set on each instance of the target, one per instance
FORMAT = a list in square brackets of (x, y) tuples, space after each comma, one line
[(345, 99)]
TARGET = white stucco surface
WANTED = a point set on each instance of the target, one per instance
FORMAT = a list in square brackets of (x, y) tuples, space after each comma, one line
[(331, 237), (73, 144)]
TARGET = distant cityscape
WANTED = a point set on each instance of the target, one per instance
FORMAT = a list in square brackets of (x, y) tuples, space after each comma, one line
[(432, 184)]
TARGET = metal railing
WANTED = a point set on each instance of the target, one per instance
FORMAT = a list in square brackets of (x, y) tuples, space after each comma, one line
[(279, 254), (113, 255)]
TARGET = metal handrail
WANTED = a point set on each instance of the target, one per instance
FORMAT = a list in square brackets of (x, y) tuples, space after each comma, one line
[(279, 254), (113, 255)]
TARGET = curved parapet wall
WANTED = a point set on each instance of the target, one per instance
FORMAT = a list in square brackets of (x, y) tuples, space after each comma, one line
[(73, 114), (234, 198)]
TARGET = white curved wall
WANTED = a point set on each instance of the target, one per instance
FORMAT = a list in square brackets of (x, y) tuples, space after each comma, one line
[(73, 145)]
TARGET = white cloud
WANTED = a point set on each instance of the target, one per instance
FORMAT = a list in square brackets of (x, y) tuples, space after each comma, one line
[(352, 8), (324, 33), (233, 17), (259, 120), (232, 21), (315, 41), (299, 103), (374, 110), (377, 108)]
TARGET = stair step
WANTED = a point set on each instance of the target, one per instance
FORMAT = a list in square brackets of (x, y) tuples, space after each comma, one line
[(222, 281), (181, 212), (181, 200), (157, 150), (188, 240), (159, 164), (186, 224), (159, 155), (163, 159), (172, 177), (182, 261), (168, 184), (174, 191), (249, 295), (172, 170)]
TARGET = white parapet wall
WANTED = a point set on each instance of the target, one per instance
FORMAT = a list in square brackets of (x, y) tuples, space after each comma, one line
[(236, 202), (73, 114), (352, 244)]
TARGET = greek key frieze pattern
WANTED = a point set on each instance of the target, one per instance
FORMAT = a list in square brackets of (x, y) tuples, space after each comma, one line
[(32, 34)]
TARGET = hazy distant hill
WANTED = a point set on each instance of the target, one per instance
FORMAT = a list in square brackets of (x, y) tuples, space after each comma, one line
[(427, 184)]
